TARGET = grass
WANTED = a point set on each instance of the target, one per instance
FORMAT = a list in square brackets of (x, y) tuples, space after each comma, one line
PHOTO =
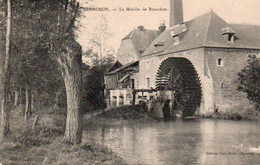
[(44, 145), (126, 113), (237, 113), (58, 152), (139, 113)]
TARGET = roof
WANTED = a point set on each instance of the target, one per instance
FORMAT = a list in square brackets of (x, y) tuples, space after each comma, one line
[(114, 66), (141, 39), (206, 31), (248, 35), (124, 78), (123, 67)]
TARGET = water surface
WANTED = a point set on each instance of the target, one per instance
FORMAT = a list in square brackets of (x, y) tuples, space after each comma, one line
[(196, 141)]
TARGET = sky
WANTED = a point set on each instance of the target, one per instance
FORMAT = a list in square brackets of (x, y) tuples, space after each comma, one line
[(120, 23)]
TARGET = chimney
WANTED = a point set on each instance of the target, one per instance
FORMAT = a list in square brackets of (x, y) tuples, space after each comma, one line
[(162, 26), (176, 12), (141, 28)]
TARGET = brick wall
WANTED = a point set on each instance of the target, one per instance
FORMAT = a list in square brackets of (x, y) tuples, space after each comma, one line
[(225, 76)]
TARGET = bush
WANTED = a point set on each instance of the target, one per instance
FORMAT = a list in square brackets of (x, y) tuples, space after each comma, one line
[(249, 79), (126, 112), (237, 113)]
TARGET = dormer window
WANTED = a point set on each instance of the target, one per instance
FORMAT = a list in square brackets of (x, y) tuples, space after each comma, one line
[(176, 40), (178, 29), (229, 34), (231, 37)]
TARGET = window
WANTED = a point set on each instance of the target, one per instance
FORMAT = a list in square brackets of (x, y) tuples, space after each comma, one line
[(222, 85), (220, 62), (229, 34), (231, 37), (176, 40), (133, 83), (148, 82)]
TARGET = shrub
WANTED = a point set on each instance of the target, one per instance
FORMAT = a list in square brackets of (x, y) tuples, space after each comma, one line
[(249, 79)]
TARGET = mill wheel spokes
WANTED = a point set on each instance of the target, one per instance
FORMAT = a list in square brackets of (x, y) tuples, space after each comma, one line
[(175, 80), (179, 75)]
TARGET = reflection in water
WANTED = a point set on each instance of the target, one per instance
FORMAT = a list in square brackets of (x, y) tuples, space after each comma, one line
[(226, 141), (179, 142)]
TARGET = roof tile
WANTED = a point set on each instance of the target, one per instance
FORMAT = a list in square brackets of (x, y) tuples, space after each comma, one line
[(206, 31)]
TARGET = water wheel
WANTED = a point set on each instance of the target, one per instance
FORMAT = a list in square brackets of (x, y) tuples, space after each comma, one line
[(180, 76)]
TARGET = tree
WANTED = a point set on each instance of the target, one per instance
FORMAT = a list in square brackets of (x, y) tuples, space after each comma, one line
[(70, 62), (50, 26), (93, 80), (69, 55), (249, 79), (99, 36), (99, 52), (34, 74), (4, 127)]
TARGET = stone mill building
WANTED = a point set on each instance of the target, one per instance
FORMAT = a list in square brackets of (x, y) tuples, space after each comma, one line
[(196, 62)]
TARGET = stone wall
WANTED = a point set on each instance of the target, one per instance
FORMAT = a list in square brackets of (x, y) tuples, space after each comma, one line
[(149, 66), (219, 81), (225, 76), (127, 53)]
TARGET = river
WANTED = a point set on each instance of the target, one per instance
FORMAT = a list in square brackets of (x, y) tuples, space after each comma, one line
[(197, 141)]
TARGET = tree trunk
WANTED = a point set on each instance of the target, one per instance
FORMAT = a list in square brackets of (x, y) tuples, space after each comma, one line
[(5, 126), (21, 96), (35, 122), (27, 103), (21, 101), (9, 95), (32, 101), (16, 97), (70, 63), (56, 100)]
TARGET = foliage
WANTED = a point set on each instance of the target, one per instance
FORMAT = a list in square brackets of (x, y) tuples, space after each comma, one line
[(249, 79), (43, 53), (127, 113), (93, 87), (32, 63), (235, 113), (34, 47), (95, 60), (39, 30), (100, 56)]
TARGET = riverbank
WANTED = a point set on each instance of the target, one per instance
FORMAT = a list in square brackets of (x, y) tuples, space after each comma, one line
[(44, 145), (238, 113), (124, 114)]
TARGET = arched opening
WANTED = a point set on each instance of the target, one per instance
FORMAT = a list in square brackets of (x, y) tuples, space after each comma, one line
[(179, 75)]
